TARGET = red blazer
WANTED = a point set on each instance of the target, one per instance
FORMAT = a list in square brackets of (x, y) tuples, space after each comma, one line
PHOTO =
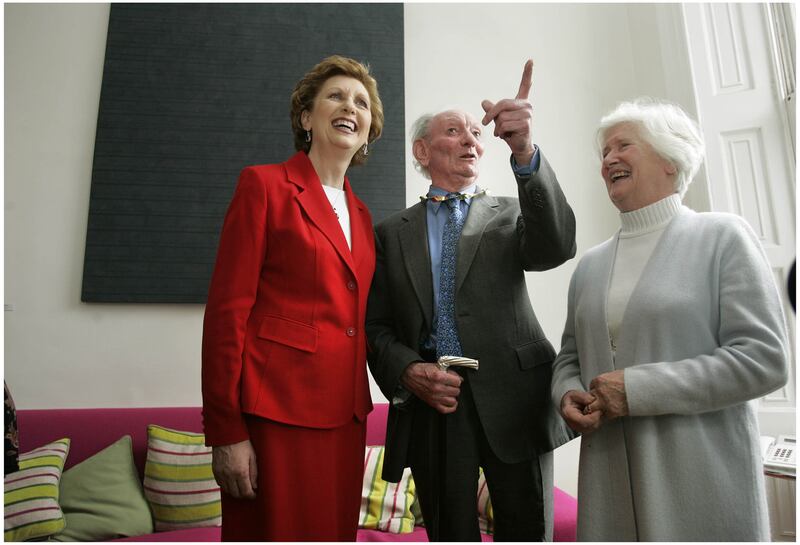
[(283, 333)]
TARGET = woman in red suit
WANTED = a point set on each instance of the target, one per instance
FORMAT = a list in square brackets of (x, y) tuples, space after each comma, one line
[(285, 391)]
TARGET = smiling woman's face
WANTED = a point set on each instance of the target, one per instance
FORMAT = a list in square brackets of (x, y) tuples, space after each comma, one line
[(635, 175), (452, 150), (341, 115)]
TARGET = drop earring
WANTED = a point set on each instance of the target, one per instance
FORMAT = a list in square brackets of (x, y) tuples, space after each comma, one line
[(364, 150), (308, 136)]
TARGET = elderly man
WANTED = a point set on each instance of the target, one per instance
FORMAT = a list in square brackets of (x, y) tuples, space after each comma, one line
[(450, 281)]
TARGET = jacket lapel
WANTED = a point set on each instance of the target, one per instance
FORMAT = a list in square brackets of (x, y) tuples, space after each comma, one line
[(361, 233), (315, 204), (414, 245), (601, 272), (481, 211)]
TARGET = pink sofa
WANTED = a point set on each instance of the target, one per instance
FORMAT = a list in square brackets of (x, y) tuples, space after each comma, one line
[(91, 430)]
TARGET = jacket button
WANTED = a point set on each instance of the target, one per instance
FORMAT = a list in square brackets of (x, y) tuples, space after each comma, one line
[(351, 285), (351, 331)]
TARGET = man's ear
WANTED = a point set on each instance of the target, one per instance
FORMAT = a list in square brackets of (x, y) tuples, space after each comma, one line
[(421, 152), (305, 120), (671, 170)]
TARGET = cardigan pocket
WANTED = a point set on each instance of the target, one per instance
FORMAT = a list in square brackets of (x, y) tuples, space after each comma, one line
[(535, 353), (289, 332)]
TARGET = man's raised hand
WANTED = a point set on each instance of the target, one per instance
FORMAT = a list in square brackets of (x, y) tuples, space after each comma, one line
[(513, 118)]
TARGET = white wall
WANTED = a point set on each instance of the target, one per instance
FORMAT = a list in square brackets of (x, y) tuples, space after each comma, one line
[(60, 352)]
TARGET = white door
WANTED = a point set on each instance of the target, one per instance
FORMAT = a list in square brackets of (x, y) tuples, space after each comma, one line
[(744, 87)]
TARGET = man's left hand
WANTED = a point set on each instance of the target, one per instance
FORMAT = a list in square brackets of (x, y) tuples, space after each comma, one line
[(609, 391), (512, 119)]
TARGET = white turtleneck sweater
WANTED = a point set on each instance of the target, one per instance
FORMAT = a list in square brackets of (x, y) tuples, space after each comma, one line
[(641, 230)]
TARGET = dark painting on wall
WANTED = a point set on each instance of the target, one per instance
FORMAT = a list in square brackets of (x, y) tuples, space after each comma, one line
[(191, 94)]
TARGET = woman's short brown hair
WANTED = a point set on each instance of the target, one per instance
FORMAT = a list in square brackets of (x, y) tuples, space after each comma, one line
[(309, 85)]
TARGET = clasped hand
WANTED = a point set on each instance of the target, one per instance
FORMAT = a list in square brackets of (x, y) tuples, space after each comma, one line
[(606, 400), (573, 410), (610, 397), (437, 388)]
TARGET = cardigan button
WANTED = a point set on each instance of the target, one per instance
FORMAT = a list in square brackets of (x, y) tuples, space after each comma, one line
[(351, 285), (351, 331)]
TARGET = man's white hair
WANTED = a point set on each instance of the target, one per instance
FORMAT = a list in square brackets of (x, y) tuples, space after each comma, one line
[(667, 128), (420, 130)]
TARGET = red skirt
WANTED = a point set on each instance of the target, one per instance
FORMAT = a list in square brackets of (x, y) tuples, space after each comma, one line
[(309, 484)]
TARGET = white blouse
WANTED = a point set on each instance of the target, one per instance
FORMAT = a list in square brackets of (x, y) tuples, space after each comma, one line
[(338, 201)]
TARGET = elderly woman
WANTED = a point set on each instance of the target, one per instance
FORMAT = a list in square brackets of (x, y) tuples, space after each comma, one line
[(285, 389), (674, 325)]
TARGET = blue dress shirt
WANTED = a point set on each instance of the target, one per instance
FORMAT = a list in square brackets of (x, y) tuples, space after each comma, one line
[(437, 217)]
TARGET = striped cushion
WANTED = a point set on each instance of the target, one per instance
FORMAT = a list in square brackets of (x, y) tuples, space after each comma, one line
[(485, 511), (178, 482), (385, 506), (416, 510), (31, 494)]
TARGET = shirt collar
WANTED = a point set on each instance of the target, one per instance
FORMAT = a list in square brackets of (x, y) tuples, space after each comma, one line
[(434, 190)]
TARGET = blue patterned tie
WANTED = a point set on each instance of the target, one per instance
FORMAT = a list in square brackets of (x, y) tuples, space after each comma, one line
[(447, 343)]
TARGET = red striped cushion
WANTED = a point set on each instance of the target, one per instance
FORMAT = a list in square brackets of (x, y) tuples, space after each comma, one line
[(485, 511), (178, 482), (385, 506), (31, 494)]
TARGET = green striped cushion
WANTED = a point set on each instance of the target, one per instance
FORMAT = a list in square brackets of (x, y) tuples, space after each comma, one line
[(385, 506), (31, 494), (178, 482), (485, 511), (416, 510)]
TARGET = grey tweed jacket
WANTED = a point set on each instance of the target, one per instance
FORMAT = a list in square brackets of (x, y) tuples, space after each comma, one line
[(502, 238)]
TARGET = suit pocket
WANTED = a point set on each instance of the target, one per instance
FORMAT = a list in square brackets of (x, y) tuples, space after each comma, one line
[(289, 332), (535, 353)]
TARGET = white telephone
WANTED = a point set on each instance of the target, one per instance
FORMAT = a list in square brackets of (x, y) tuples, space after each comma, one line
[(779, 456)]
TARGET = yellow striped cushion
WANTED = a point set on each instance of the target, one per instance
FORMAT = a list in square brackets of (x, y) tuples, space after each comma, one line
[(485, 511), (31, 494), (178, 482), (385, 506), (416, 510)]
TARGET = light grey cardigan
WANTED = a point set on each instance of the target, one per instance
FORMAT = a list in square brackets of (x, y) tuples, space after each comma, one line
[(702, 335)]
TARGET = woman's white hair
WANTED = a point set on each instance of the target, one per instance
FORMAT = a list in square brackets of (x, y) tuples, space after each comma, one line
[(667, 128)]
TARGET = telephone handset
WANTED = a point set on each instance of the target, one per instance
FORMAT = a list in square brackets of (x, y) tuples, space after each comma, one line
[(780, 456)]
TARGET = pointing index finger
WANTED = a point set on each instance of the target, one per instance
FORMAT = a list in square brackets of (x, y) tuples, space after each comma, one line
[(525, 84)]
